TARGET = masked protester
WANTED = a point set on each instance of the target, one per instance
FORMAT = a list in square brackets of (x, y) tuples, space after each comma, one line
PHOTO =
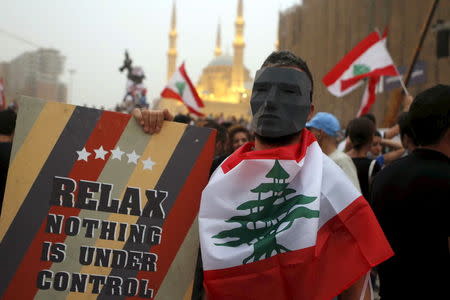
[(278, 219)]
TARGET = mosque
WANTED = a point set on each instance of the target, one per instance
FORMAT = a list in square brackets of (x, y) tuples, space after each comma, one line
[(225, 83)]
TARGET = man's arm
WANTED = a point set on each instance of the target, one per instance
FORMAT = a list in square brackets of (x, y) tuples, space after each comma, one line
[(391, 132), (355, 292), (396, 153), (152, 120), (395, 130)]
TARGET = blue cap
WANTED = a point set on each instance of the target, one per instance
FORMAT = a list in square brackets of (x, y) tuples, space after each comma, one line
[(326, 122)]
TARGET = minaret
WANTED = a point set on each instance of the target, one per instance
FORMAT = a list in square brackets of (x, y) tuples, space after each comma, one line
[(218, 49), (277, 40), (237, 77), (172, 52)]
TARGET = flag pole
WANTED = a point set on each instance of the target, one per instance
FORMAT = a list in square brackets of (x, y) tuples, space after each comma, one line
[(400, 77), (394, 105), (403, 85), (421, 40)]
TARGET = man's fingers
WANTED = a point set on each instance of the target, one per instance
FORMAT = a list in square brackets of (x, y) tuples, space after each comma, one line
[(137, 114), (156, 120), (152, 120), (146, 120), (167, 115), (159, 121)]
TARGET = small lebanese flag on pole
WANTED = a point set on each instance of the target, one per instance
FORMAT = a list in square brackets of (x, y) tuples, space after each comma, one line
[(285, 223), (369, 58), (2, 95), (180, 87), (369, 95)]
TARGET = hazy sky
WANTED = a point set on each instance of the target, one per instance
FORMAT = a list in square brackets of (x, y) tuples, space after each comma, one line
[(93, 34)]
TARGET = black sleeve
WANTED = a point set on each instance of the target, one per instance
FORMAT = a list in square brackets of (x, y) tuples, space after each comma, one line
[(216, 162), (376, 169), (197, 290)]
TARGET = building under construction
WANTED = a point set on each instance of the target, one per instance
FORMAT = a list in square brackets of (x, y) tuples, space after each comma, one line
[(323, 31)]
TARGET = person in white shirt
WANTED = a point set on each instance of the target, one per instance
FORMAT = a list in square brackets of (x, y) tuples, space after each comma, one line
[(326, 127)]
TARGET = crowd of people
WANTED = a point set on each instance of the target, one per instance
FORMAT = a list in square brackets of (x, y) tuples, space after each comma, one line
[(360, 148), (403, 171)]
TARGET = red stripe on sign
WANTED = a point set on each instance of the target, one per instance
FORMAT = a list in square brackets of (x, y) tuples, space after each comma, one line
[(107, 132), (348, 245), (180, 217), (292, 152), (349, 58)]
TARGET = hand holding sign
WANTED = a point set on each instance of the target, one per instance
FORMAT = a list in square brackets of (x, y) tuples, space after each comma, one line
[(152, 120)]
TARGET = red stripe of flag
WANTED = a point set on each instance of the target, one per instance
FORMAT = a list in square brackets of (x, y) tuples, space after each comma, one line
[(371, 86), (171, 94), (344, 252), (191, 86), (386, 71), (106, 133), (295, 151)]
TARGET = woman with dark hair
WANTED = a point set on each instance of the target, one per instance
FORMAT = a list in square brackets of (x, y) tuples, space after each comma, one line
[(361, 132), (237, 136)]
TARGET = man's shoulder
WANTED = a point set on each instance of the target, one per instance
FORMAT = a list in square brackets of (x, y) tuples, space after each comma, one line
[(339, 155), (396, 167), (341, 158)]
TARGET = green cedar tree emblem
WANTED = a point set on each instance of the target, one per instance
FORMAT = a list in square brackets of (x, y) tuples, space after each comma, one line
[(360, 69), (278, 212), (180, 87)]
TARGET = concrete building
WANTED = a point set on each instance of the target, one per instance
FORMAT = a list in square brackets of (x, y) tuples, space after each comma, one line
[(36, 74), (323, 31)]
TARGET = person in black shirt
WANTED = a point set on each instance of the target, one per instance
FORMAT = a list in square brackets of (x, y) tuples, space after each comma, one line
[(361, 132), (411, 200), (7, 125), (406, 135)]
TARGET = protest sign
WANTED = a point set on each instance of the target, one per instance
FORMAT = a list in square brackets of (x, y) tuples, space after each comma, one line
[(94, 208)]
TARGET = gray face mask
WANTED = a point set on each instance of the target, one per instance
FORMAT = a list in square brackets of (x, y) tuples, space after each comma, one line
[(280, 101)]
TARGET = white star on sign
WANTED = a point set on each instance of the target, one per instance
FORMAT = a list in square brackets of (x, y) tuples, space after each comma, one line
[(83, 154), (133, 157), (117, 154), (100, 153), (148, 164)]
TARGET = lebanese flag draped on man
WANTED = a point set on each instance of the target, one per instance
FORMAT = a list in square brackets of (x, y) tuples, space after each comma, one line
[(285, 223), (369, 59), (180, 87)]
